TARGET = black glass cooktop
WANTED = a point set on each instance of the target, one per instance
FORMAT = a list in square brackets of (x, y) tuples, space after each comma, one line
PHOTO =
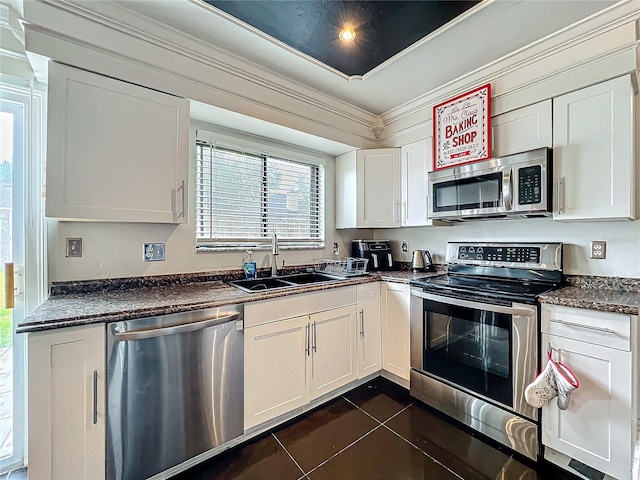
[(484, 287)]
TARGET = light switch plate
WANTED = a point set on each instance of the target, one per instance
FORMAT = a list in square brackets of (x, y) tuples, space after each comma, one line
[(74, 247), (153, 252), (599, 249)]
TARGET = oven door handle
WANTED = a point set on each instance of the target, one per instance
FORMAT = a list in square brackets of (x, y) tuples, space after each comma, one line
[(458, 302)]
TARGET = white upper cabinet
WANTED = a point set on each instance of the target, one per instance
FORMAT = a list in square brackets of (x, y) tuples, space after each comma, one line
[(417, 161), (368, 189), (593, 148), (115, 151), (520, 130)]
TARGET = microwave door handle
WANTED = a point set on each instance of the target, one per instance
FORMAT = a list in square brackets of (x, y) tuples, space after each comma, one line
[(507, 188), (458, 302)]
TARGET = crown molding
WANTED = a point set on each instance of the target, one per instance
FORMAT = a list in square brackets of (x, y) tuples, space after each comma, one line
[(113, 31), (595, 27)]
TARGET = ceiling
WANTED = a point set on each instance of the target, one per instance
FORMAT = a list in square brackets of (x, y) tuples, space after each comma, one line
[(382, 29), (485, 33)]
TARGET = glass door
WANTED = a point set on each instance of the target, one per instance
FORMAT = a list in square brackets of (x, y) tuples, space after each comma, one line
[(472, 193), (12, 351), (470, 348)]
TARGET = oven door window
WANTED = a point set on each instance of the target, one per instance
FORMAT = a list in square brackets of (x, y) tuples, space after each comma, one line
[(484, 191), (470, 348)]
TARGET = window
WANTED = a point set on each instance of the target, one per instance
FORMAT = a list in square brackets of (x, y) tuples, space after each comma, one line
[(242, 197)]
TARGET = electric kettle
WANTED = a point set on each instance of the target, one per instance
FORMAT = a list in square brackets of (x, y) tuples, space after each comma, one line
[(422, 261)]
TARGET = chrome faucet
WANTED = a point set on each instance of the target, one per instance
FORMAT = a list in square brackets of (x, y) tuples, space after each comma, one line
[(275, 250)]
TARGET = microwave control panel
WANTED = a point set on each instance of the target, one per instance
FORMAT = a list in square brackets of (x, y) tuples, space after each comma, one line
[(530, 185), (500, 254)]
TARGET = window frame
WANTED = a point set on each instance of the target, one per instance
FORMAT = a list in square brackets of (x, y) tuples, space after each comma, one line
[(266, 152)]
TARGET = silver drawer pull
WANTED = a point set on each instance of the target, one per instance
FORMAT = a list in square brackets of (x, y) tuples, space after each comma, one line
[(95, 397), (579, 325)]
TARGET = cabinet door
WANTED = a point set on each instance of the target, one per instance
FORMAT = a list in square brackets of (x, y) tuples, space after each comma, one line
[(378, 187), (417, 160), (599, 425), (275, 369), (67, 403), (395, 329), (523, 129), (333, 345), (593, 140), (115, 151), (369, 329)]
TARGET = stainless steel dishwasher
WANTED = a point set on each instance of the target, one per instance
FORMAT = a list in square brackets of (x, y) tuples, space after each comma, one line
[(174, 389)]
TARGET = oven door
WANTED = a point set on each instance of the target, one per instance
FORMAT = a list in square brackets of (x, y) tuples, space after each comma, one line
[(487, 350)]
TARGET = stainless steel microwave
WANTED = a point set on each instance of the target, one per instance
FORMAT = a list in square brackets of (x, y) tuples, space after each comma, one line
[(512, 186)]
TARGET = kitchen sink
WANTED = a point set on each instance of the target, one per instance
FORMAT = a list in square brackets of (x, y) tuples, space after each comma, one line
[(311, 277), (260, 284), (253, 285)]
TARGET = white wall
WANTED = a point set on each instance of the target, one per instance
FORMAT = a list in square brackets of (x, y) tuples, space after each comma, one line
[(623, 241), (113, 250)]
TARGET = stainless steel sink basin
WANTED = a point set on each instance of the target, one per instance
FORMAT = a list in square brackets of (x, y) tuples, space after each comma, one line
[(311, 277), (254, 285), (260, 284)]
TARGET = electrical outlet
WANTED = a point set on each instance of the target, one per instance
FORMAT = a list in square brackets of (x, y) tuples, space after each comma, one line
[(405, 246), (336, 248), (599, 249), (74, 247), (153, 252)]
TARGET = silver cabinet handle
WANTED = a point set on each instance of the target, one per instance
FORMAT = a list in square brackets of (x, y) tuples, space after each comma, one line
[(362, 323), (560, 194), (315, 339), (95, 397), (306, 348), (181, 190), (526, 312), (579, 325), (187, 327)]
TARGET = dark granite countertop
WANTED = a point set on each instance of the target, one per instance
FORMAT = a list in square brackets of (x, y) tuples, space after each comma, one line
[(116, 304), (125, 299), (605, 300)]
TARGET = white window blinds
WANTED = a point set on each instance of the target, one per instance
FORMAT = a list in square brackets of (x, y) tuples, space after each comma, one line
[(243, 197)]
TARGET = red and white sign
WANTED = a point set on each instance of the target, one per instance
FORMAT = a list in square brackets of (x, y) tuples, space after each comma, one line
[(462, 129)]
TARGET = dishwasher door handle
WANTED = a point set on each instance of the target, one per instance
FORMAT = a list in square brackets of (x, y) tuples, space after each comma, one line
[(186, 327)]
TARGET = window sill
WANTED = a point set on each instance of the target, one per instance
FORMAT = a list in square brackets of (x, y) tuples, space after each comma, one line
[(255, 248)]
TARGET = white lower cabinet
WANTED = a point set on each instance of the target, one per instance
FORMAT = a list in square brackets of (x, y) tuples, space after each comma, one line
[(275, 365), (67, 403), (598, 428), (333, 350), (395, 329), (369, 328), (293, 361)]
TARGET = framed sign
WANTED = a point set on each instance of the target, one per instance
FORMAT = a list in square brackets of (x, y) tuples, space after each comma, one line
[(462, 129)]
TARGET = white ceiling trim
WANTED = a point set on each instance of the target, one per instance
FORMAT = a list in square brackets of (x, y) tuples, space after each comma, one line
[(337, 73), (592, 27), (116, 17)]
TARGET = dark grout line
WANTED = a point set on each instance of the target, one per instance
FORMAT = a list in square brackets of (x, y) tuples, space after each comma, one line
[(290, 456), (345, 448), (423, 452)]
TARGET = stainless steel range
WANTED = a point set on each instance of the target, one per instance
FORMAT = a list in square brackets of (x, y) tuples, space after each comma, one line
[(475, 336)]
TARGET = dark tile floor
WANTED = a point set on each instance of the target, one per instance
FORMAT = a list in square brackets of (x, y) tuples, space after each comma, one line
[(374, 432)]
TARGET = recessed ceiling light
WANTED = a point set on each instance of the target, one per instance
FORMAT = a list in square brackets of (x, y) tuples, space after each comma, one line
[(347, 34)]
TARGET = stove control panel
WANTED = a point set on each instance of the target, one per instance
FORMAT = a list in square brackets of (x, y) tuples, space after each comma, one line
[(500, 254)]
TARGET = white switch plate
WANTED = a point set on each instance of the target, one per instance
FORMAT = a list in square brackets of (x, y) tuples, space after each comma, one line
[(74, 247), (599, 249), (153, 252)]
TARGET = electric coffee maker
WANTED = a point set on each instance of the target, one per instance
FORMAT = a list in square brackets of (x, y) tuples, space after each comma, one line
[(378, 252)]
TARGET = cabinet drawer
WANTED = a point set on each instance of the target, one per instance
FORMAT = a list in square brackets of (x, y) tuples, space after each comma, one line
[(611, 330), (257, 313)]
